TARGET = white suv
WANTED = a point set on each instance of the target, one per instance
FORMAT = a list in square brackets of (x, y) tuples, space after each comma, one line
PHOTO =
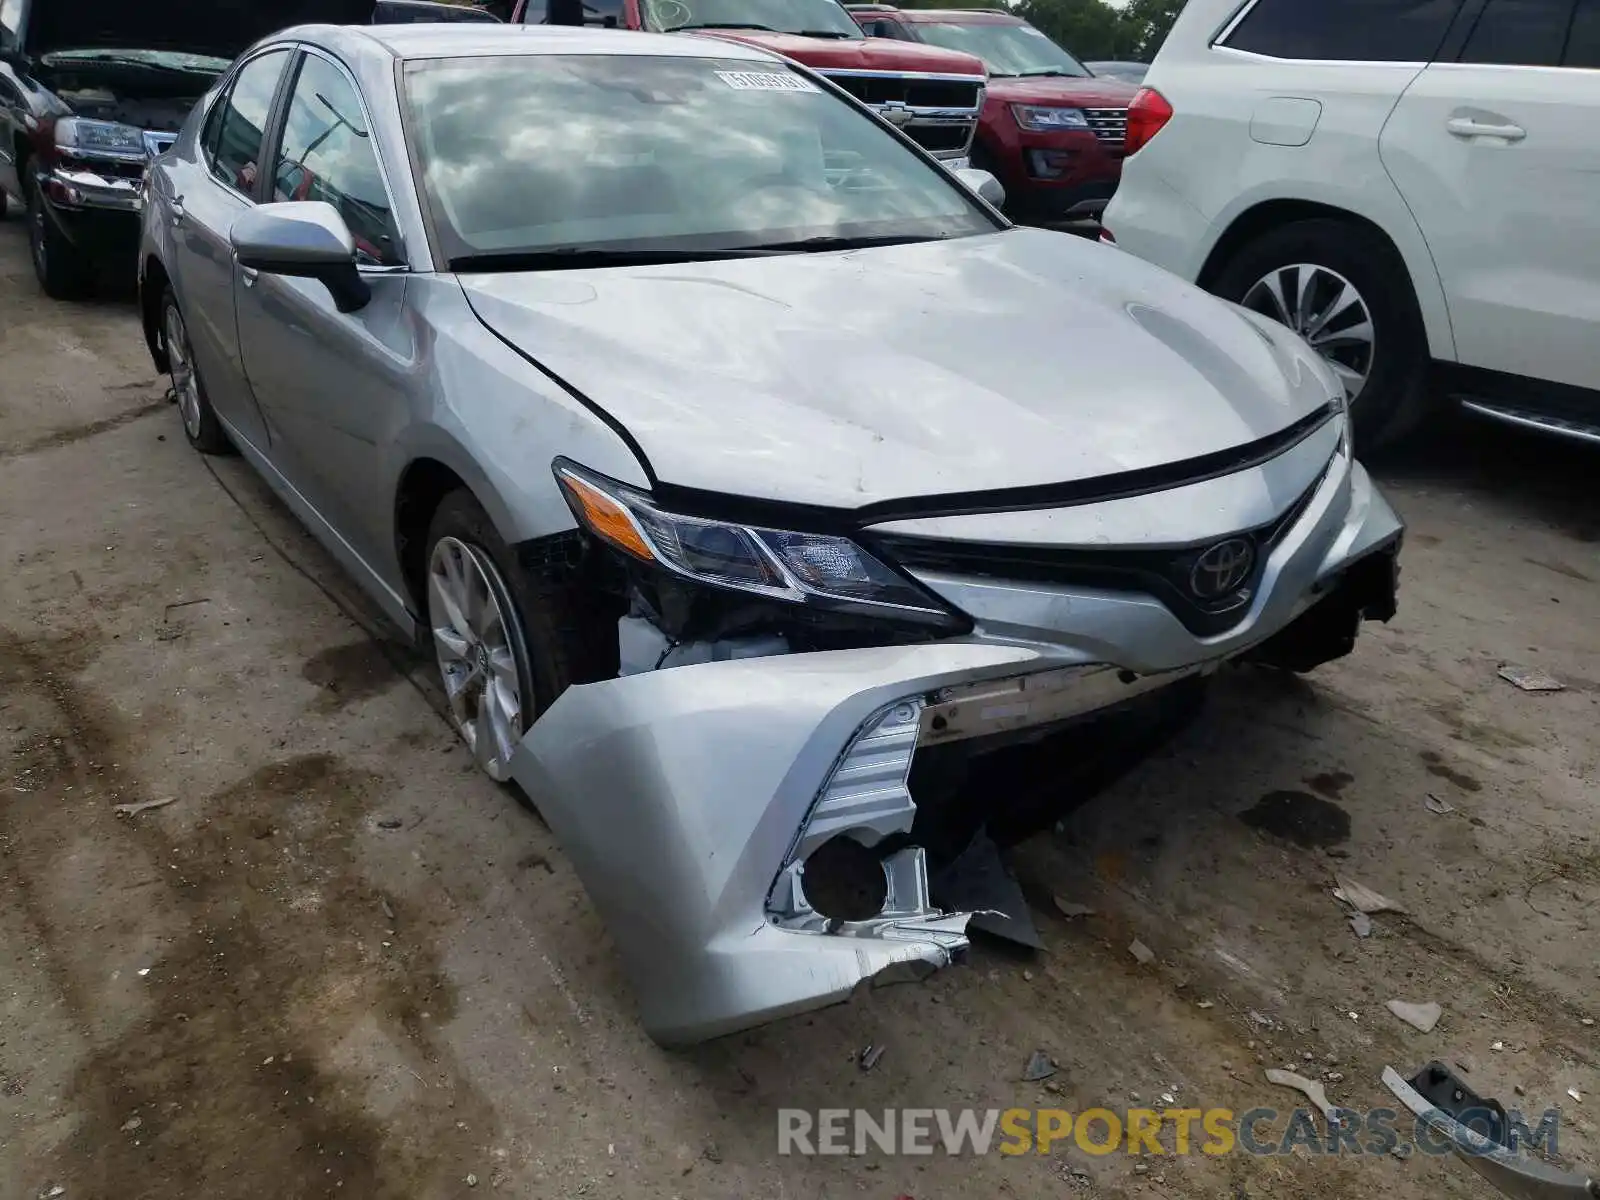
[(1409, 183)]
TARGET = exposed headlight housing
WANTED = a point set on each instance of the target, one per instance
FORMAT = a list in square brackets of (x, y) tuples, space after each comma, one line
[(99, 139), (1040, 118), (801, 568)]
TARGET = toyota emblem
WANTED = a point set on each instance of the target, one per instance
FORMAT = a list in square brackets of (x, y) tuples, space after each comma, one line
[(1222, 569)]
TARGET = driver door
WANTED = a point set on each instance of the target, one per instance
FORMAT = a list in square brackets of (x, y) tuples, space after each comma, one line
[(332, 386)]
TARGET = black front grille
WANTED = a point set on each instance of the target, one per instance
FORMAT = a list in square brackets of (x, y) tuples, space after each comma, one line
[(1165, 574), (917, 93), (940, 137), (1109, 124)]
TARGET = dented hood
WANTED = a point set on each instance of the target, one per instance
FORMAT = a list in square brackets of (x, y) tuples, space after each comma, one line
[(220, 28), (842, 379)]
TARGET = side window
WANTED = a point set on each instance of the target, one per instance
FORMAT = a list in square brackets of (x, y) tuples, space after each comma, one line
[(327, 155), (1519, 33), (238, 122), (1583, 43), (1349, 31)]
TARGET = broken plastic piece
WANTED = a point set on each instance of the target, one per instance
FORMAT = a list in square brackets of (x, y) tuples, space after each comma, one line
[(1421, 1017), (1531, 680), (1362, 898), (1312, 1090)]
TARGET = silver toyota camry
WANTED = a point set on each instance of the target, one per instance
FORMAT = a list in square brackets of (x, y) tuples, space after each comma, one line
[(735, 459)]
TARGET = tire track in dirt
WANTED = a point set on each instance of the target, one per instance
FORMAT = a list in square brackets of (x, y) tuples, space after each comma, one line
[(229, 1084)]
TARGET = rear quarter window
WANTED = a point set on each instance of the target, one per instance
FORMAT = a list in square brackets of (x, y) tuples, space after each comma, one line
[(1348, 31)]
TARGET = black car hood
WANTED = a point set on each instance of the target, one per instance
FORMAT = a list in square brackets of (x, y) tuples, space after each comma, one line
[(221, 28)]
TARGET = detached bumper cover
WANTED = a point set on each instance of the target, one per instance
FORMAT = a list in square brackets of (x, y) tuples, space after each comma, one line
[(688, 798)]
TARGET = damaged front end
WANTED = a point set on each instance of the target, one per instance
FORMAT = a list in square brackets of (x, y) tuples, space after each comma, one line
[(735, 787)]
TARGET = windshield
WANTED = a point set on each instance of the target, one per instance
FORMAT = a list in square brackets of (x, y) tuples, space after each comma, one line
[(167, 60), (814, 18), (540, 153), (1006, 49)]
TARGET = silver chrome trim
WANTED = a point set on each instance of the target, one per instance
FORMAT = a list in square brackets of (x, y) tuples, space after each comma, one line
[(90, 189), (919, 76), (1535, 421)]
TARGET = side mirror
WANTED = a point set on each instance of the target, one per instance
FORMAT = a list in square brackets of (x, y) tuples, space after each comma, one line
[(882, 29), (984, 185), (307, 239)]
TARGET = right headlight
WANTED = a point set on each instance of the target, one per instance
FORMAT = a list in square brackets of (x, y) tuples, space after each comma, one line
[(801, 568)]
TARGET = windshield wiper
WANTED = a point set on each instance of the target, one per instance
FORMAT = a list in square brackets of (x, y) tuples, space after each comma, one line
[(577, 258), (146, 64), (825, 33), (816, 245), (721, 25), (1042, 72)]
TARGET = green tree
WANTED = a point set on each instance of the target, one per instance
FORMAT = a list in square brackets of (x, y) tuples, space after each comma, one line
[(1146, 23), (1086, 28)]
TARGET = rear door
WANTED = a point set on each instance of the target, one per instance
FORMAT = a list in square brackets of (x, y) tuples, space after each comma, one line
[(1497, 154), (208, 194)]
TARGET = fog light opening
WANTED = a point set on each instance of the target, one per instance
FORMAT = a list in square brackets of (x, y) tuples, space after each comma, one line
[(845, 881)]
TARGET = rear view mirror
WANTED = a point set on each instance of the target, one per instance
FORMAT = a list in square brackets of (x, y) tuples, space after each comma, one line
[(306, 239), (984, 185)]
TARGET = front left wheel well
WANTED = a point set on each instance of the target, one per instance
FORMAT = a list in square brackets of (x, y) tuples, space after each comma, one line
[(423, 486)]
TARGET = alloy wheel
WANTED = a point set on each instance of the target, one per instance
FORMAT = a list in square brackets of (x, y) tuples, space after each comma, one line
[(180, 364), (469, 611), (1325, 308)]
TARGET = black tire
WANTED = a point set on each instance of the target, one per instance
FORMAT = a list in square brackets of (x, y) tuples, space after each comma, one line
[(556, 631), (1394, 399), (62, 270), (200, 424)]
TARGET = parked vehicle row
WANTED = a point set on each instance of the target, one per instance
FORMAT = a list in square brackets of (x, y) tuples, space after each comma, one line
[(935, 95), (741, 466), (1413, 185), (1051, 131)]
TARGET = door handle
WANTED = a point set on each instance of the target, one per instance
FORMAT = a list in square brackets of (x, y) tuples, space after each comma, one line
[(177, 210), (247, 276), (1468, 127)]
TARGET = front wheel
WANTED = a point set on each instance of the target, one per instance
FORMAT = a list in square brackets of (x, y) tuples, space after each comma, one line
[(1345, 290), (502, 639)]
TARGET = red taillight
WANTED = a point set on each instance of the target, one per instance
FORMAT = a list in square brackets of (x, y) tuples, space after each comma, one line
[(1148, 114)]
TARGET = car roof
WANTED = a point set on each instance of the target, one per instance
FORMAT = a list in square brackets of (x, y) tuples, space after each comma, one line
[(460, 39)]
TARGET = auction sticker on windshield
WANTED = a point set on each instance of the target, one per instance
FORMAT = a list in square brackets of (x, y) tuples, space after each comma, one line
[(765, 81)]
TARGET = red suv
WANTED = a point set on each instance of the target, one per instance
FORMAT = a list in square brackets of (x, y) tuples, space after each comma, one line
[(934, 96), (1051, 131)]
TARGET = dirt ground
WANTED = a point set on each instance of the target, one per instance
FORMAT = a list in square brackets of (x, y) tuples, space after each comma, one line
[(266, 991)]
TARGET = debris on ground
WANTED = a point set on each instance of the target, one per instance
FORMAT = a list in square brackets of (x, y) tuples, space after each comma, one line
[(131, 1124), (472, 1181), (1362, 924), (51, 1190), (1040, 1066), (133, 810), (388, 909), (1421, 1017), (1262, 1020), (1141, 952), (1206, 1004), (1497, 1045), (1435, 805), (1573, 1092), (1310, 1088), (389, 822), (1069, 909), (1362, 898), (870, 1056), (1531, 680)]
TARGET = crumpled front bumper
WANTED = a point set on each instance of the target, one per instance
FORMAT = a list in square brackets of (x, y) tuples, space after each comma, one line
[(688, 798)]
